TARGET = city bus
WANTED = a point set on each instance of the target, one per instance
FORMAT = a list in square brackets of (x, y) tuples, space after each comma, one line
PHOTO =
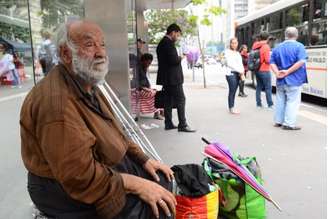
[(310, 18)]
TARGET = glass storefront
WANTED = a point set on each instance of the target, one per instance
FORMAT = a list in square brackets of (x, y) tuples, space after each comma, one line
[(18, 35), (27, 28)]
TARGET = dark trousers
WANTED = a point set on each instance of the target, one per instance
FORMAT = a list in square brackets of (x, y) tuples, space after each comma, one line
[(174, 97), (50, 198), (233, 81), (46, 65), (241, 87), (263, 81)]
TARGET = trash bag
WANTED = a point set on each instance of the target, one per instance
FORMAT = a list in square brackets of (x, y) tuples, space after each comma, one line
[(240, 200)]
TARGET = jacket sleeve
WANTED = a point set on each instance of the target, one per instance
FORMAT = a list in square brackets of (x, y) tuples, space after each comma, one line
[(136, 153), (265, 54), (172, 54), (68, 148)]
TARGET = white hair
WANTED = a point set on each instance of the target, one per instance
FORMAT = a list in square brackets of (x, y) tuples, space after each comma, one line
[(61, 36), (291, 33), (92, 70)]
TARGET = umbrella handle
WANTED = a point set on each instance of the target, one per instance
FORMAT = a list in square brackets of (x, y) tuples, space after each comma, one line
[(276, 204), (206, 141)]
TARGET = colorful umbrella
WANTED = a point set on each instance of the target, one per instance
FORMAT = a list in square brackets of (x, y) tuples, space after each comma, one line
[(221, 154)]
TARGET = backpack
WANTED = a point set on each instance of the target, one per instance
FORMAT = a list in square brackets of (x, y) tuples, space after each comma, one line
[(254, 62)]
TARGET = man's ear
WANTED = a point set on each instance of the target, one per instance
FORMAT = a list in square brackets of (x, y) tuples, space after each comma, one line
[(65, 54)]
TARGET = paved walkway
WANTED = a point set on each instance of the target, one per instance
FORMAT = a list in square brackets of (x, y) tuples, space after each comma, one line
[(293, 163)]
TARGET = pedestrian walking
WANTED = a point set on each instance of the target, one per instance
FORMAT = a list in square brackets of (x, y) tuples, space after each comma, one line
[(8, 72), (288, 62), (244, 55), (263, 74), (170, 75), (47, 53), (234, 69)]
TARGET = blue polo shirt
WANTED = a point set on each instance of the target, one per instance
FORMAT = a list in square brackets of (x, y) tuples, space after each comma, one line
[(286, 55)]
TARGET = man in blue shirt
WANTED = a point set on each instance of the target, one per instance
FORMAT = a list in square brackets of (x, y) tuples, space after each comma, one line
[(288, 63)]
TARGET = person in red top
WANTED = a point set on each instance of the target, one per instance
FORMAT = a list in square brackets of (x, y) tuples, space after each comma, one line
[(263, 75), (244, 55)]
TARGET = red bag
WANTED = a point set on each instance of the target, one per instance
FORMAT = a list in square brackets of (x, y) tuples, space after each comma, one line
[(204, 207)]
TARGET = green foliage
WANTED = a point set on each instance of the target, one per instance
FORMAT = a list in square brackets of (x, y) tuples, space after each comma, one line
[(198, 2), (54, 12), (159, 20), (206, 21), (9, 31), (216, 10)]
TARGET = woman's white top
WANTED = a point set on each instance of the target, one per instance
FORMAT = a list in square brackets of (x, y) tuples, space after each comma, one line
[(6, 64), (232, 62)]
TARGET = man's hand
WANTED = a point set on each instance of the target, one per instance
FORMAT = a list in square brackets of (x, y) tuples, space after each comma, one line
[(282, 73), (152, 166), (152, 193)]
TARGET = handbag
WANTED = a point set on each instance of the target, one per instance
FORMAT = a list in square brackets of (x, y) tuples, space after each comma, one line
[(159, 99)]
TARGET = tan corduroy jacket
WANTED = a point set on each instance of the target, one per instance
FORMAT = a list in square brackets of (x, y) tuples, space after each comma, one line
[(66, 138)]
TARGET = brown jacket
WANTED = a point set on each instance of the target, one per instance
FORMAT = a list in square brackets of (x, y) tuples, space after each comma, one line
[(65, 138)]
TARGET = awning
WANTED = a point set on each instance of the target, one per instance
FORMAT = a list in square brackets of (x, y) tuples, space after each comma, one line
[(16, 46)]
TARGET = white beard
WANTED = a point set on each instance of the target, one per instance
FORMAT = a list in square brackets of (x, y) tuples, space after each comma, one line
[(92, 71)]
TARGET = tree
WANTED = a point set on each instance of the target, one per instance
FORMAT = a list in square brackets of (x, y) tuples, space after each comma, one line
[(158, 20), (54, 12), (205, 20)]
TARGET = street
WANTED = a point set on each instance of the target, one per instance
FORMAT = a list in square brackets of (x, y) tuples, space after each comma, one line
[(293, 163)]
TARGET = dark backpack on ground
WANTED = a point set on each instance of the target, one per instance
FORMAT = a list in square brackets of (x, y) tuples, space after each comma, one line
[(254, 61)]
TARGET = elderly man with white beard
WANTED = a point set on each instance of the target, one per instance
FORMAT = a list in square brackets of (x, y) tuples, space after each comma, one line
[(80, 164)]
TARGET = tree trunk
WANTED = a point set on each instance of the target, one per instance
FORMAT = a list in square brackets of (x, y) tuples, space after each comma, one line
[(203, 58)]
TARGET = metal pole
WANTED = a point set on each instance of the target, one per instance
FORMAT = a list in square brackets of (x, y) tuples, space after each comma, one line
[(32, 48)]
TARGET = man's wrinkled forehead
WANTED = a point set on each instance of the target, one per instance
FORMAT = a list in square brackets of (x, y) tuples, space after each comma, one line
[(83, 30)]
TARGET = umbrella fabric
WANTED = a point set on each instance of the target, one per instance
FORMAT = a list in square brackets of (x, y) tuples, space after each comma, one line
[(221, 153)]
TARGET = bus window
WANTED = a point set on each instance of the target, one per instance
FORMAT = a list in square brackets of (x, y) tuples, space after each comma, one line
[(320, 11), (319, 25), (298, 17), (276, 21)]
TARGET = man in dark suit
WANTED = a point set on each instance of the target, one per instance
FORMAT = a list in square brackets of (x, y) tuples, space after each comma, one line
[(170, 75)]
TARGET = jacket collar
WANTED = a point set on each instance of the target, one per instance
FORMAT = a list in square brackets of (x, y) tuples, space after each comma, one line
[(82, 94)]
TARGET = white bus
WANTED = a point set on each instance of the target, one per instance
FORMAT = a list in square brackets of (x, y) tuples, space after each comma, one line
[(310, 18)]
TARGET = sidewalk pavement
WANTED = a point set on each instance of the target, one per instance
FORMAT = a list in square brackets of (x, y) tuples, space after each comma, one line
[(293, 162)]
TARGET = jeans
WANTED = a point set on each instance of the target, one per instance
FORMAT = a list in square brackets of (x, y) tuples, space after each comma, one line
[(233, 82), (16, 80), (263, 80), (288, 99), (174, 97)]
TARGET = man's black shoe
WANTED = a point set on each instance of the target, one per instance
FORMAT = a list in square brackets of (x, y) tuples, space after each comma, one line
[(169, 127), (186, 129), (291, 128), (277, 125)]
